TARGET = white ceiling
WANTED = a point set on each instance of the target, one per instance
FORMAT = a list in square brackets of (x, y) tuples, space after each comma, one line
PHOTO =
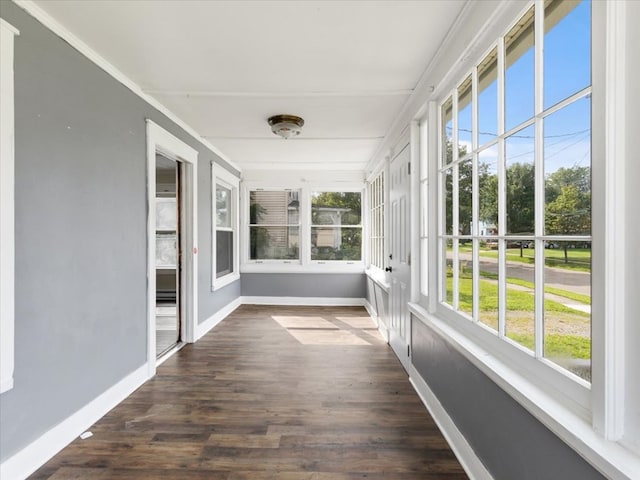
[(224, 67)]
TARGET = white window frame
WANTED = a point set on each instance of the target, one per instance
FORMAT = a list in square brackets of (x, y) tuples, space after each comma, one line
[(221, 176), (7, 207), (589, 419), (304, 264), (376, 206)]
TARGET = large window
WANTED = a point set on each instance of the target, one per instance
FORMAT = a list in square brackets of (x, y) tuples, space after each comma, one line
[(225, 227), (303, 229), (515, 189), (376, 221)]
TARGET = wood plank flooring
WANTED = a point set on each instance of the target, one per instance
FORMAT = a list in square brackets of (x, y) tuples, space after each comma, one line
[(291, 393)]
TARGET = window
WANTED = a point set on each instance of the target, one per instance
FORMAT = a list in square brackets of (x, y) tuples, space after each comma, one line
[(274, 225), (7, 239), (225, 227), (336, 226), (515, 221), (376, 221), (303, 229)]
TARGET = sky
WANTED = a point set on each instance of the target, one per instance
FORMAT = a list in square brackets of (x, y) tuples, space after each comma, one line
[(567, 70)]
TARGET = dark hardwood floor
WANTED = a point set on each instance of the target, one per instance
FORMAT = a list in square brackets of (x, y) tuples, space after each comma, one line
[(291, 393)]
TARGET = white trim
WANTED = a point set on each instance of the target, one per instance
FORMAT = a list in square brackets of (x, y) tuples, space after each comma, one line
[(614, 285), (161, 141), (611, 459), (7, 207), (52, 24), (30, 458), (472, 465), (203, 328), (221, 176), (304, 301), (294, 266)]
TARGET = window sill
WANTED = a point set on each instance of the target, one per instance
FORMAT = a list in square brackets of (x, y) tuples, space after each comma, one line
[(608, 457), (221, 282), (279, 267), (379, 277)]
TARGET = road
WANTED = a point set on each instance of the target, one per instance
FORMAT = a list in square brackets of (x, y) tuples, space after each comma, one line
[(570, 280)]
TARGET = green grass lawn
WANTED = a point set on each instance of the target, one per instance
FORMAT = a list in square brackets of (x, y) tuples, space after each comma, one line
[(579, 259), (516, 300), (557, 345), (586, 299)]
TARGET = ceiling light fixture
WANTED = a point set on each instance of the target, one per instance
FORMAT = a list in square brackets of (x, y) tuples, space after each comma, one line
[(286, 126)]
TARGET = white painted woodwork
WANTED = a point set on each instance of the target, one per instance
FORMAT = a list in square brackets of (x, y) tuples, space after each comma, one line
[(400, 254), (7, 213)]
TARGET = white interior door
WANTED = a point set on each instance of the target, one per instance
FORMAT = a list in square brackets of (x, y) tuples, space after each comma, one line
[(400, 254)]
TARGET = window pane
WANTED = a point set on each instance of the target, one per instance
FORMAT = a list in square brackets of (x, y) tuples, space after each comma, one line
[(488, 192), (223, 206), (274, 207), (224, 253), (274, 243), (336, 243), (465, 277), (464, 117), (567, 168), (424, 214), (488, 285), (465, 197), (519, 75), (335, 208), (447, 132), (448, 277), (448, 200), (567, 306), (567, 49), (424, 266), (520, 314), (520, 182), (488, 98)]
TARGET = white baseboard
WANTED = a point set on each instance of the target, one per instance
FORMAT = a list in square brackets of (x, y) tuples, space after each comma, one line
[(37, 453), (204, 327), (472, 465), (308, 301)]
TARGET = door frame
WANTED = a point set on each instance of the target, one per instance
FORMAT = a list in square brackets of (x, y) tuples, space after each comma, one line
[(161, 141)]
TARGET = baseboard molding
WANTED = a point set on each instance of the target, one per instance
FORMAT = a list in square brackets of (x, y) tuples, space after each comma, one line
[(303, 301), (37, 453), (472, 465), (203, 328)]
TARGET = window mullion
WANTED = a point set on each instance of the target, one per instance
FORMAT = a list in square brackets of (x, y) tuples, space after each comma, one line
[(502, 290), (455, 200), (539, 199)]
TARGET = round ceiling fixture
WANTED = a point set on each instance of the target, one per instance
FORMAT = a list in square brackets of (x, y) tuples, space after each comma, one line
[(286, 126)]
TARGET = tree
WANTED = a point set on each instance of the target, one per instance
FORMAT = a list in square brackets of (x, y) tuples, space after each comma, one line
[(568, 214), (521, 198)]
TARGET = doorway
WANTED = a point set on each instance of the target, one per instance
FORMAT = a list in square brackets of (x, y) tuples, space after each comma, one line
[(168, 255), (399, 254), (171, 247)]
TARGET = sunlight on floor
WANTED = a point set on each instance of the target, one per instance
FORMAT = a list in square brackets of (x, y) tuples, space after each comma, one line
[(316, 330)]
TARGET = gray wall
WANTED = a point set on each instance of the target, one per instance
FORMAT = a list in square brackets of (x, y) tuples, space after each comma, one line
[(510, 442), (339, 285), (80, 322)]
